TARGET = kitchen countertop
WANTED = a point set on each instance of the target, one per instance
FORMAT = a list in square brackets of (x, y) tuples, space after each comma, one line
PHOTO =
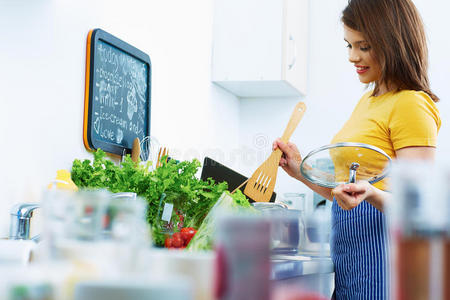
[(289, 266)]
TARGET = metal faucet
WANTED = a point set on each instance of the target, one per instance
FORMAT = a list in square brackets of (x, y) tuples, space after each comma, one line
[(19, 228)]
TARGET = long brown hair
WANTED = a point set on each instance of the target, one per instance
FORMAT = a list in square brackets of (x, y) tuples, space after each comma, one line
[(394, 30)]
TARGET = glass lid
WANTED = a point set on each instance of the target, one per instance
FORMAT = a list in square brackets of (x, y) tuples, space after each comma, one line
[(332, 165)]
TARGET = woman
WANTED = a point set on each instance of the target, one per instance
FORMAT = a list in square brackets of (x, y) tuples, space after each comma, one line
[(387, 45)]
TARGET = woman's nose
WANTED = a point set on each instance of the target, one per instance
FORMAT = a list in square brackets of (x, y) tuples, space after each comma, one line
[(353, 56)]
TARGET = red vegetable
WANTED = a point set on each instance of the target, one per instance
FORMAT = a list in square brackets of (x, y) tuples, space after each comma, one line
[(185, 237), (168, 242), (180, 239), (187, 234), (177, 240)]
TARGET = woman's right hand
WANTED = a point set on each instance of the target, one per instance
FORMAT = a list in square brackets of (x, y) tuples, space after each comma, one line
[(290, 162), (291, 159)]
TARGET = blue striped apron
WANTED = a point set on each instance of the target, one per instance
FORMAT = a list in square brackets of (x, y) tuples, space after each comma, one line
[(359, 250)]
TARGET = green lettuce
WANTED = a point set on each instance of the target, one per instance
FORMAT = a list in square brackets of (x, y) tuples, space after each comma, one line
[(192, 196)]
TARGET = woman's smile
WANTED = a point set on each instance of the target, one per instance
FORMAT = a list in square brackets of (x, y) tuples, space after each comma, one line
[(361, 69)]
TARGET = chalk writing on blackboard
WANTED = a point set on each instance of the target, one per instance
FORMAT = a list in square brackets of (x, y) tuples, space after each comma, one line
[(119, 107), (121, 85)]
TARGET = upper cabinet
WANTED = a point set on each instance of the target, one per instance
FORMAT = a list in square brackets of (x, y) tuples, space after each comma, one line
[(260, 47)]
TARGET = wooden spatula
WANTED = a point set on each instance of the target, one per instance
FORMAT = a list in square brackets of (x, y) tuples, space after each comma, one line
[(261, 184)]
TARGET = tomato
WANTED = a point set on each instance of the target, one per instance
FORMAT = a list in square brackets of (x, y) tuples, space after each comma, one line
[(177, 243), (177, 240), (180, 239), (168, 242), (176, 235), (188, 233), (189, 230), (185, 236)]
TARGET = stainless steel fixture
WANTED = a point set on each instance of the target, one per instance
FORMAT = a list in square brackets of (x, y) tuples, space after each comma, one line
[(21, 215), (352, 174)]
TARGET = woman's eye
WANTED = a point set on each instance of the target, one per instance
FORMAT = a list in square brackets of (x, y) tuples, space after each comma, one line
[(349, 46), (365, 48)]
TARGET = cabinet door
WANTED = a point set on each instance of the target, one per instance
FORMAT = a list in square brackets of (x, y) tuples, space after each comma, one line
[(295, 46), (258, 47), (247, 36)]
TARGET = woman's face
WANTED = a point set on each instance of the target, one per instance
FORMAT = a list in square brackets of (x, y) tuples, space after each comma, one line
[(361, 55)]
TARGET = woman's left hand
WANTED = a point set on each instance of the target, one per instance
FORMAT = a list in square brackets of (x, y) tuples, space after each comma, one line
[(350, 195)]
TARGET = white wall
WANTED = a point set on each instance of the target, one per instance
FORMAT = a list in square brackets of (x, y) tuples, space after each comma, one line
[(42, 59), (437, 23), (334, 89)]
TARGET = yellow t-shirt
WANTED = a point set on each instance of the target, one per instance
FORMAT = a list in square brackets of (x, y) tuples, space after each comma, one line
[(390, 122)]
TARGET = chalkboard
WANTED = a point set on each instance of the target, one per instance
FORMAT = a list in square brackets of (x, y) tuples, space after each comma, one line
[(117, 96)]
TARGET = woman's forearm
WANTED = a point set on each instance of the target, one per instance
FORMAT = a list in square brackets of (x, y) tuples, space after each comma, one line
[(378, 198), (323, 191)]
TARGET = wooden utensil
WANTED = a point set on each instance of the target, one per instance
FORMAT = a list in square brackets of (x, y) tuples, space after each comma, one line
[(135, 150), (261, 184), (163, 151), (241, 185), (158, 160)]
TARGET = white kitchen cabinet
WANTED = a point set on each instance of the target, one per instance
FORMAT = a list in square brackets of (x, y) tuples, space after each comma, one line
[(260, 47)]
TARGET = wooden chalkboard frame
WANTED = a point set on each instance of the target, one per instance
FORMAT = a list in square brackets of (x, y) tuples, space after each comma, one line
[(94, 36)]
